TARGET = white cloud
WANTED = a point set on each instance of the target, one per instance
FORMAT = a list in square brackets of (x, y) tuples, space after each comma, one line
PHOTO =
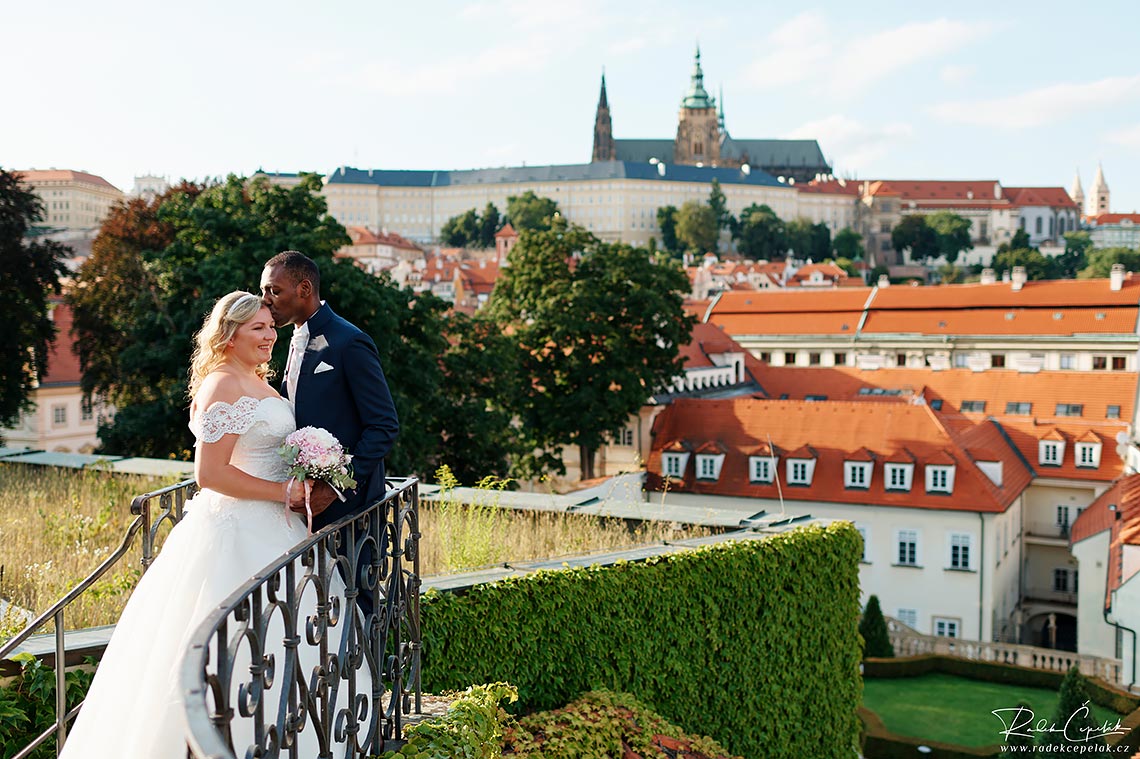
[(860, 145), (1128, 137), (805, 49), (1044, 105), (957, 73)]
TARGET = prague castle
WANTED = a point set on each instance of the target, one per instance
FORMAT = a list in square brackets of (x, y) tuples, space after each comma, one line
[(703, 140)]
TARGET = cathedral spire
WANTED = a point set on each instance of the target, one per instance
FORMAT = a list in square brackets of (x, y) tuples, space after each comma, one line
[(605, 149), (1077, 193), (1098, 194), (697, 96), (720, 112)]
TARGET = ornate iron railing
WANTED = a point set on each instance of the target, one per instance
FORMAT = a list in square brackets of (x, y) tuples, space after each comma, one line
[(294, 663), (148, 520)]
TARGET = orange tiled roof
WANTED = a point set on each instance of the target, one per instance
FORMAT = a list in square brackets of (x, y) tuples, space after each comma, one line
[(507, 231), (792, 301), (33, 176), (941, 192), (828, 323), (479, 278), (829, 187), (1114, 218), (830, 432), (63, 363), (1097, 517), (1007, 321), (1035, 293), (1054, 197), (1117, 510), (696, 308)]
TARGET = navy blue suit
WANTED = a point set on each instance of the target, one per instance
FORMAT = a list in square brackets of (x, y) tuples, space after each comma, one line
[(342, 388)]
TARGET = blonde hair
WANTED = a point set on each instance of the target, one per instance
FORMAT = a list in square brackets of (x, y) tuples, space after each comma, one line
[(230, 312)]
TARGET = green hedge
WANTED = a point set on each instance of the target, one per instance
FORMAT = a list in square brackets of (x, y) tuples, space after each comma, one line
[(752, 642)]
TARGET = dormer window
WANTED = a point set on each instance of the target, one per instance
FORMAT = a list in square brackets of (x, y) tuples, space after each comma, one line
[(974, 406), (1050, 452), (761, 468), (1088, 455), (939, 478), (708, 465), (857, 474), (800, 471), (1070, 409), (673, 464), (898, 476)]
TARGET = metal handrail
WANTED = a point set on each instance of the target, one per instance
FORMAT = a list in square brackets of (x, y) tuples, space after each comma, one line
[(171, 499), (279, 700)]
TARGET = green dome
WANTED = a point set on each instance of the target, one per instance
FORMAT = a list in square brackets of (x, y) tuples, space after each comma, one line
[(698, 97)]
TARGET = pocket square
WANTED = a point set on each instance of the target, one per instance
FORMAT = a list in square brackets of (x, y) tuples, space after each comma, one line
[(322, 367), (318, 343)]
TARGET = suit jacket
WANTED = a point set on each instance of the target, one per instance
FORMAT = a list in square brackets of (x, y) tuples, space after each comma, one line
[(342, 388)]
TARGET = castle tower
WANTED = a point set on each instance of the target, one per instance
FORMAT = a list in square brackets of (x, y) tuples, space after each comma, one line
[(1078, 193), (1098, 195), (604, 147), (698, 135)]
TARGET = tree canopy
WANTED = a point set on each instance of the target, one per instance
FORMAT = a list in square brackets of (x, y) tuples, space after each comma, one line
[(530, 211), (471, 229), (807, 239), (1075, 258), (697, 228), (761, 234), (914, 234), (1037, 266), (719, 205), (873, 628), (953, 234), (597, 328), (29, 275), (848, 244), (667, 222), (1100, 261)]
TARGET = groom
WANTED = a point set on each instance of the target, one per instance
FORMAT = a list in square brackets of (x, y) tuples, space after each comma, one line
[(334, 379)]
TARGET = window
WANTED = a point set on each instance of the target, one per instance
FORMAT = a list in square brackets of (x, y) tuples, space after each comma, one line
[(59, 415), (1100, 362), (761, 468), (1070, 409), (939, 479), (1068, 361), (1118, 363), (946, 628), (790, 358), (857, 474), (1088, 455), (900, 359), (959, 551), (841, 359), (884, 227), (625, 437), (766, 357), (997, 360), (1063, 518), (1060, 580), (974, 406), (815, 359), (674, 464), (907, 542), (899, 476), (936, 404), (865, 533), (1112, 412), (1037, 226), (1050, 452), (708, 466), (1018, 407), (961, 360), (908, 617), (86, 410), (800, 471)]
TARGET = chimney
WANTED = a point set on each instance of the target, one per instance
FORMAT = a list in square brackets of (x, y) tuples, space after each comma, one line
[(988, 277), (884, 281), (1018, 278), (1116, 277)]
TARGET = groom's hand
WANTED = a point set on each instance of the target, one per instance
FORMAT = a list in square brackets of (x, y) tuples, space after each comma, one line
[(319, 499)]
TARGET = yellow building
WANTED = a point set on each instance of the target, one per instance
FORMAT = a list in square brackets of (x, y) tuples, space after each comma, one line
[(73, 200)]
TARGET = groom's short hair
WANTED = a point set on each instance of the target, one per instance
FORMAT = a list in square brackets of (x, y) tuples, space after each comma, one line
[(298, 266)]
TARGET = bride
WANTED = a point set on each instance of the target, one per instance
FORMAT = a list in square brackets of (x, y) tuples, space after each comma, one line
[(233, 528)]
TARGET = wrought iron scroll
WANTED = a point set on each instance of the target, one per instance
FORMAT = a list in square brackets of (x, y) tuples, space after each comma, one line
[(296, 664)]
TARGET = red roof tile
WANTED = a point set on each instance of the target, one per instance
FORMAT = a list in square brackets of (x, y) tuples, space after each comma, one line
[(1053, 197), (34, 177), (829, 431), (1055, 320), (1114, 218), (63, 363)]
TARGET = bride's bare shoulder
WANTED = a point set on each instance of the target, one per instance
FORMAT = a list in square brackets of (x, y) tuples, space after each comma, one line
[(216, 386)]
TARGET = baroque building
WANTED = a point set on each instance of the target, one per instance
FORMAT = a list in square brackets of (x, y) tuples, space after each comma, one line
[(702, 139)]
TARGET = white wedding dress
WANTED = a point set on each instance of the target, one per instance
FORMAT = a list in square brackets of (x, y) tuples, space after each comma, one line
[(134, 709)]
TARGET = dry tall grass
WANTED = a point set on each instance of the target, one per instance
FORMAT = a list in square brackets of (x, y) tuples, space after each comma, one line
[(57, 525)]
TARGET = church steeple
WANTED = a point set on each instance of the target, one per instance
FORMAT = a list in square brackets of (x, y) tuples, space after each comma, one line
[(1078, 193), (697, 96), (1098, 194), (604, 147), (720, 114), (698, 132)]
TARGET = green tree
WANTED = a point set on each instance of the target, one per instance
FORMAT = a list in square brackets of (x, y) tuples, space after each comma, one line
[(949, 274), (719, 206), (915, 234), (489, 223), (1036, 265), (873, 628), (1100, 261), (1069, 264), (761, 235), (953, 233), (1073, 722), (597, 326), (29, 274), (848, 244), (530, 211), (697, 227), (667, 222), (798, 233), (461, 231)]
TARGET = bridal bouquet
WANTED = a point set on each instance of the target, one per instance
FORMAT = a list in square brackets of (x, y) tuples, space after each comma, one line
[(314, 453)]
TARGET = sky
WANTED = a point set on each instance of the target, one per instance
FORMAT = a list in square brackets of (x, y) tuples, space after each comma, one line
[(1028, 93)]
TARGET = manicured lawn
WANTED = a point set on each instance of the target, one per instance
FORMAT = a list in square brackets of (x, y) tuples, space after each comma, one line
[(951, 709)]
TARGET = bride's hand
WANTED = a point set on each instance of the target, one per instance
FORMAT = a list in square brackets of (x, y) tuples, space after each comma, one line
[(294, 495)]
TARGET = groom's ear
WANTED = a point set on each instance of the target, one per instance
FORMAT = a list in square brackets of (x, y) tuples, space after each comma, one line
[(304, 288)]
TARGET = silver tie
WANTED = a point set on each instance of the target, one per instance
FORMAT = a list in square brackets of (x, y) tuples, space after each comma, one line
[(297, 347)]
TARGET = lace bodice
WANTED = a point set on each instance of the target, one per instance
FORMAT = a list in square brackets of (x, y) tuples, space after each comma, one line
[(261, 426)]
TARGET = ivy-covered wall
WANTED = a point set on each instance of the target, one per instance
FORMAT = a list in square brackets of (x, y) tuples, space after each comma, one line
[(753, 642)]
